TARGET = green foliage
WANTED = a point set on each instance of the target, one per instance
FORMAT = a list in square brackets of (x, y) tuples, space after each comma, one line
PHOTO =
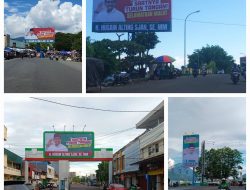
[(210, 54), (77, 42), (90, 51), (212, 65), (76, 179), (148, 40), (67, 41), (221, 163), (102, 174), (42, 46), (123, 55)]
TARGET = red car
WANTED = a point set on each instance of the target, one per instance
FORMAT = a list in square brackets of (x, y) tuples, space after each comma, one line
[(114, 186)]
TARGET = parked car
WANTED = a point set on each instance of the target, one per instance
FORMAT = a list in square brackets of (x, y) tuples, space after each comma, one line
[(114, 186), (109, 81), (14, 185), (221, 71)]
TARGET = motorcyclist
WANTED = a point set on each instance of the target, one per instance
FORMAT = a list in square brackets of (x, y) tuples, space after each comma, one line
[(224, 184), (195, 69), (235, 68)]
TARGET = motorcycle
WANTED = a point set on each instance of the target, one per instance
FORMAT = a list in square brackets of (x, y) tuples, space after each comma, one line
[(204, 72), (235, 76)]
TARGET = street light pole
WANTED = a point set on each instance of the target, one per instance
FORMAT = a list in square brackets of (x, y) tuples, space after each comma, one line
[(185, 35), (119, 39)]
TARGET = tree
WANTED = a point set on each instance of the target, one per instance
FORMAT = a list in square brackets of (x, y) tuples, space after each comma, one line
[(77, 42), (67, 41), (102, 174), (221, 163), (90, 52), (209, 54), (103, 50), (147, 39)]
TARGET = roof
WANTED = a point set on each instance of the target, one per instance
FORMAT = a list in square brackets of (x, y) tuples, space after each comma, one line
[(13, 157), (153, 118)]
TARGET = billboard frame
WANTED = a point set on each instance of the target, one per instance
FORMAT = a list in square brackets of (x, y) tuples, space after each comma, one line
[(69, 132), (197, 136), (133, 26)]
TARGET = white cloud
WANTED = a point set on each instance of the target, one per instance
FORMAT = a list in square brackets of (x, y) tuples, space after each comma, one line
[(171, 163), (179, 62), (6, 5), (65, 17)]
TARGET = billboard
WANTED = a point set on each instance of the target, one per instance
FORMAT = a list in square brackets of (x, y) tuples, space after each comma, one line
[(131, 16), (190, 150), (40, 35), (67, 144)]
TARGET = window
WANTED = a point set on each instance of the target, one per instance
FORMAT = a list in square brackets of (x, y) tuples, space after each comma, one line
[(149, 150), (156, 147)]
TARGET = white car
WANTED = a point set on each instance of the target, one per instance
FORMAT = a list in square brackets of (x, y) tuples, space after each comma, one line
[(221, 71)]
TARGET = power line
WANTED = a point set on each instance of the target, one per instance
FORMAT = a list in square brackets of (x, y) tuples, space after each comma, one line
[(210, 22), (92, 108)]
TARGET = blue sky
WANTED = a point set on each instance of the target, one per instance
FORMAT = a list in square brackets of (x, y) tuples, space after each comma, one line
[(63, 15), (23, 6), (230, 37), (212, 119)]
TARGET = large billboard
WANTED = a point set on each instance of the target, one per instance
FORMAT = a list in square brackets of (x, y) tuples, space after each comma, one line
[(57, 144), (40, 35), (190, 150), (132, 16)]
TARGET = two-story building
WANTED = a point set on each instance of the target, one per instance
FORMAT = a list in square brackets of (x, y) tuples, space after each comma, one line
[(141, 161), (12, 166), (151, 161)]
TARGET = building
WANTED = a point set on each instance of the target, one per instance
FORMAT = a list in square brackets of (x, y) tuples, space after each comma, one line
[(12, 166), (118, 166), (152, 149), (141, 161), (14, 43), (5, 133), (12, 163)]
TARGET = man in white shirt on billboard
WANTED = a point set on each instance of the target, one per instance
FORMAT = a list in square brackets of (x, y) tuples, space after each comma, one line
[(108, 13), (55, 144)]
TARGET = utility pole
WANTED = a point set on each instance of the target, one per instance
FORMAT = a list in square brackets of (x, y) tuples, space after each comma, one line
[(202, 161)]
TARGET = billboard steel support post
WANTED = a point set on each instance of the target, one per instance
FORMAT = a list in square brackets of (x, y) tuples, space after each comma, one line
[(26, 171), (110, 172), (185, 24), (193, 176)]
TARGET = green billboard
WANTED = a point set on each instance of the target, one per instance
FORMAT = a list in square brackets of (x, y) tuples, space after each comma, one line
[(68, 144)]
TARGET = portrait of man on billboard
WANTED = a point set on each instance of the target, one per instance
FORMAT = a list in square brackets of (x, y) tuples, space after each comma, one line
[(106, 11), (54, 144), (31, 35)]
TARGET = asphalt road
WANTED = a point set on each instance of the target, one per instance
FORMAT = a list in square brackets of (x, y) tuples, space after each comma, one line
[(204, 188), (83, 187), (35, 75), (184, 84)]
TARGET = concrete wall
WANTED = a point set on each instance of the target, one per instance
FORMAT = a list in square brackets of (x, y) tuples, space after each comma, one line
[(153, 138), (132, 153)]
